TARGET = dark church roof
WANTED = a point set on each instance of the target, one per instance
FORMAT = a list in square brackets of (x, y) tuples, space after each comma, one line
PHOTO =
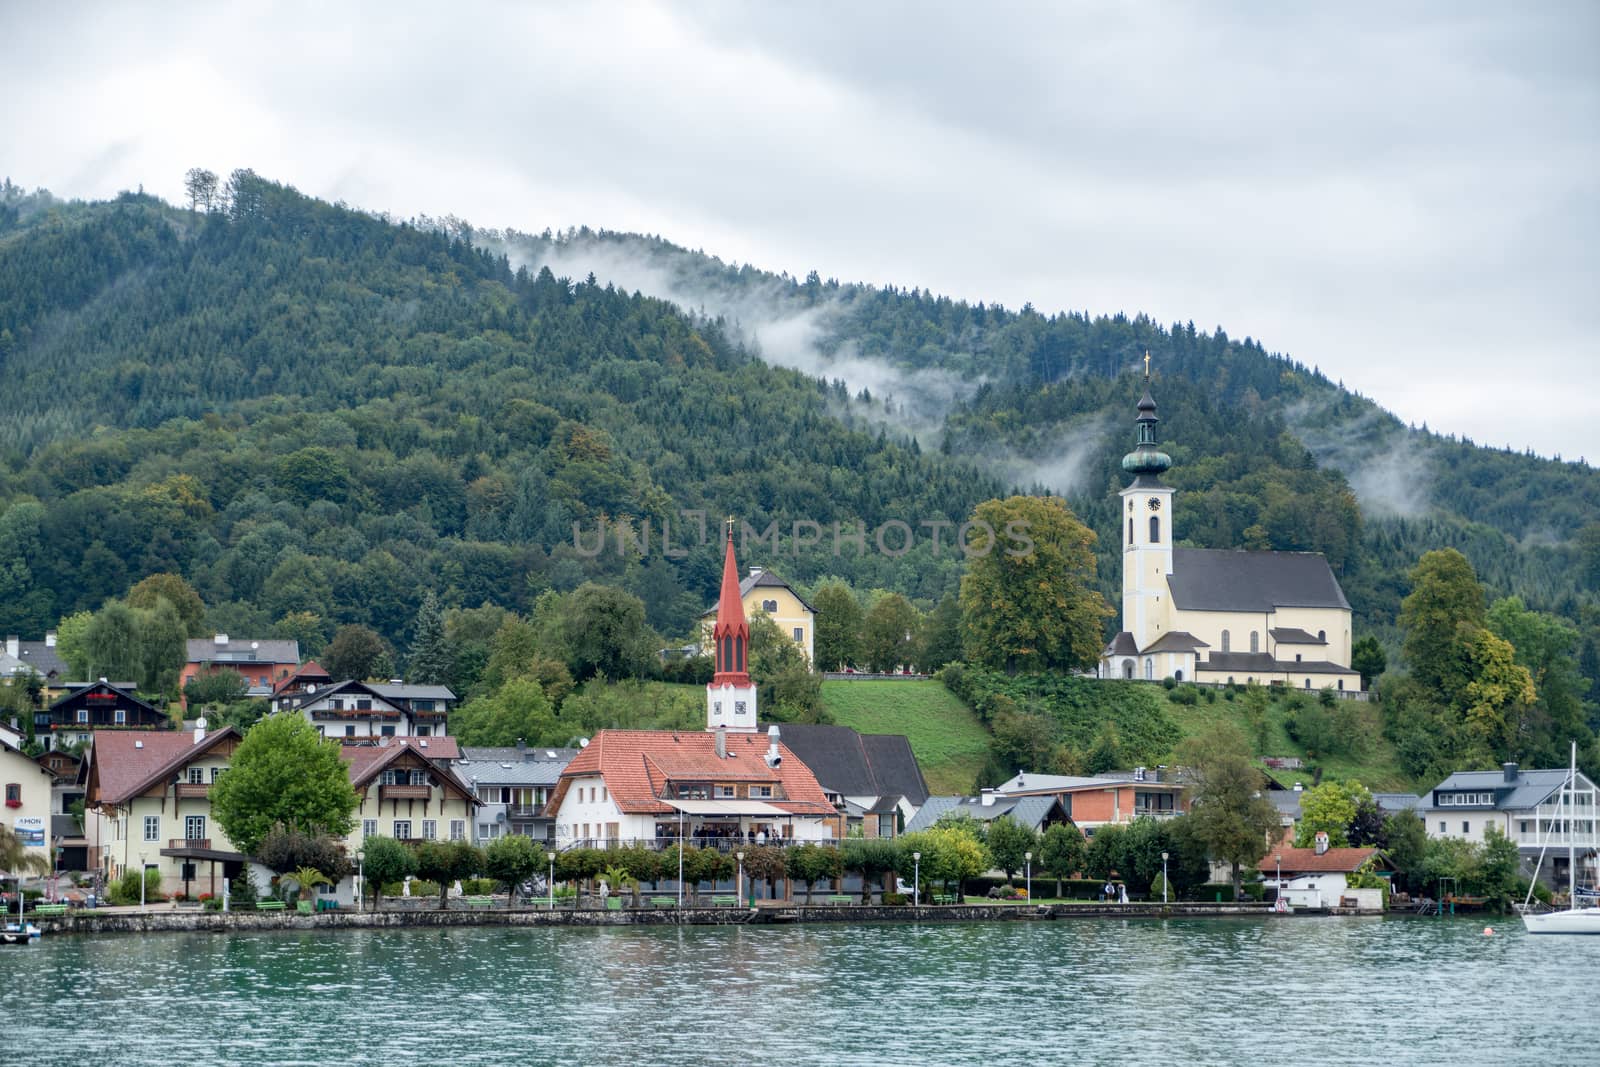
[(1293, 635), (1209, 579), (1176, 641), (1122, 645), (1265, 662), (856, 764)]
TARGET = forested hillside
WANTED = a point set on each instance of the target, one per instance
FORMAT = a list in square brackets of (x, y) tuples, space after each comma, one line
[(315, 416)]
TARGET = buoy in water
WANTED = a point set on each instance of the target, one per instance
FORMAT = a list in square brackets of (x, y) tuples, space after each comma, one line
[(1488, 931)]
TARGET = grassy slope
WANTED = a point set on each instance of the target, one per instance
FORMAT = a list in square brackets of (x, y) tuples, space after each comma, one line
[(949, 741)]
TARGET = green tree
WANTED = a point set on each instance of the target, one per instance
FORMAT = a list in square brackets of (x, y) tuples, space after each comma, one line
[(512, 860), (1008, 841), (1547, 647), (431, 656), (837, 642), (72, 643), (179, 593), (284, 849), (283, 772), (384, 861), (1405, 840), (447, 861), (1368, 659), (1062, 852), (1330, 808), (1029, 603), (357, 653), (1228, 814), (111, 644), (1498, 869), (1253, 705), (873, 858), (604, 632), (215, 689), (809, 864), (890, 634), (1438, 617), (518, 711), (1497, 695), (941, 634)]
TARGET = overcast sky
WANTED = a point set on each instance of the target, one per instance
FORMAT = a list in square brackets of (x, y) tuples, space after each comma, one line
[(1404, 196)]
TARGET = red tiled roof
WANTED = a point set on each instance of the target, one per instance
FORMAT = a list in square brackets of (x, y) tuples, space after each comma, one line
[(637, 764), (366, 761), (1306, 860), (308, 669), (124, 763)]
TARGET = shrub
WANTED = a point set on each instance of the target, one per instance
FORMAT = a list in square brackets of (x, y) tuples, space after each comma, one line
[(896, 899), (1187, 695), (242, 891), (1169, 683), (125, 890)]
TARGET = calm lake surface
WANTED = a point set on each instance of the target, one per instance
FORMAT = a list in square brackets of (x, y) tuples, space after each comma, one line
[(1288, 991)]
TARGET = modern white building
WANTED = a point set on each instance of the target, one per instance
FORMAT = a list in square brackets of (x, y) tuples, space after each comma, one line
[(1525, 806)]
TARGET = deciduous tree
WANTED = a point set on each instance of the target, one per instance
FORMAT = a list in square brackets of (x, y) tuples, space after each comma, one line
[(1227, 811), (283, 772)]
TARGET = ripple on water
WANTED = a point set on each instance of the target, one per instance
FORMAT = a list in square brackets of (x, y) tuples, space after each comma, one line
[(1216, 991)]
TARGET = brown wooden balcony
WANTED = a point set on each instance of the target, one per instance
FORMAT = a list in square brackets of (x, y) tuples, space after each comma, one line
[(188, 842), (404, 792), (194, 789)]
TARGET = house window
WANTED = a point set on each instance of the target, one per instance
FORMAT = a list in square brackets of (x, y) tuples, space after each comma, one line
[(1522, 827), (1155, 530), (886, 825), (197, 775), (336, 704), (152, 828), (1149, 669), (216, 772), (120, 716), (458, 829), (602, 794), (424, 731), (83, 714), (1322, 635), (387, 731), (194, 827), (1230, 679), (1341, 683), (1130, 531), (761, 791), (1127, 669), (1298, 657), (419, 777), (430, 829), (364, 704), (1308, 680), (349, 731), (1177, 676), (800, 634), (1227, 642), (1255, 641), (769, 606), (402, 829), (1442, 830), (369, 827), (1466, 827), (725, 792)]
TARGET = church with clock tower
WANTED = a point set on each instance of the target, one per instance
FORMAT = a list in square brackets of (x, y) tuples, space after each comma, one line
[(1218, 615)]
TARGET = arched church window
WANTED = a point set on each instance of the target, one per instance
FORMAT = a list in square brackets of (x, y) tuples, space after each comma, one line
[(1127, 669), (1255, 641), (1130, 531), (1177, 676), (1155, 529), (1308, 683), (1322, 635), (1149, 669), (1341, 683), (1230, 679), (1227, 645), (738, 653)]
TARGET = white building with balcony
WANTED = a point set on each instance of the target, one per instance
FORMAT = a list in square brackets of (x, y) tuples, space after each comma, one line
[(1532, 808)]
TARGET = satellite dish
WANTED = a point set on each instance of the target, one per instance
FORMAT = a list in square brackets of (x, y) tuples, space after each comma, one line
[(583, 742), (200, 723)]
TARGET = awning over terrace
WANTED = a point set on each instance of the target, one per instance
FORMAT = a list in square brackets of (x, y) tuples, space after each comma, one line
[(730, 809)]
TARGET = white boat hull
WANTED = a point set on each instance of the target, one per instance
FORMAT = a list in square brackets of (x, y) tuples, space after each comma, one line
[(1573, 921)]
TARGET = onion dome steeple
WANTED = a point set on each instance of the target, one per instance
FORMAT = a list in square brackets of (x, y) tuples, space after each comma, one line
[(1146, 460)]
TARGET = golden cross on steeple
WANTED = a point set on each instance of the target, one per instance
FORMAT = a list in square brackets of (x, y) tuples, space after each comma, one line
[(729, 523), (1147, 364)]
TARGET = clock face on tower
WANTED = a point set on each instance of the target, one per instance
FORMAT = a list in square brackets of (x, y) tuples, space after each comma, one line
[(1154, 503)]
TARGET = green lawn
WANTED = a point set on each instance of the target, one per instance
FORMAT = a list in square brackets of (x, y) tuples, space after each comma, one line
[(950, 743)]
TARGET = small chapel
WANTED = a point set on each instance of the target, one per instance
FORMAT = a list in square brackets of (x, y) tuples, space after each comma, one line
[(1218, 615)]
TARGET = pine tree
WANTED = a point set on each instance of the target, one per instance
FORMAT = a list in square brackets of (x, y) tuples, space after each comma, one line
[(431, 658)]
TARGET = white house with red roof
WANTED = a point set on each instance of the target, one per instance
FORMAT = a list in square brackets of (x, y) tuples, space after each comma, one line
[(729, 783), (1316, 877)]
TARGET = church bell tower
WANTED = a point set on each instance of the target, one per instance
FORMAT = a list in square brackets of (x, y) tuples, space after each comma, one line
[(731, 695), (1147, 531)]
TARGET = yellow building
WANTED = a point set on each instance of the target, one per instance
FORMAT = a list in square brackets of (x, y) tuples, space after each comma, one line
[(1221, 616), (27, 798), (762, 591)]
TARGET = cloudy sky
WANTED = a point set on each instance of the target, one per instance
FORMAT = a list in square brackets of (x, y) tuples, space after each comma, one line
[(1402, 195)]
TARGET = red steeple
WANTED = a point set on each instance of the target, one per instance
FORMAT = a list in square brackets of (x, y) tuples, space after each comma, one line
[(731, 634)]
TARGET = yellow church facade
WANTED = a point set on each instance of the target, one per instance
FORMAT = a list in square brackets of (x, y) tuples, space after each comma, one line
[(762, 591), (1220, 616)]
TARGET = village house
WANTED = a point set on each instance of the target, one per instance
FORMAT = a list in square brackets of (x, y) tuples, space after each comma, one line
[(88, 707), (513, 786), (1109, 799), (873, 779), (724, 785), (148, 806), (1218, 615), (261, 662), (1525, 806), (1316, 877), (35, 657), (408, 792), (352, 711), (764, 591), (1036, 813), (26, 790)]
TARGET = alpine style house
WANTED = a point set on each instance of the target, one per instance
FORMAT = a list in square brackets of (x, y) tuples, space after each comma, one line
[(1218, 615)]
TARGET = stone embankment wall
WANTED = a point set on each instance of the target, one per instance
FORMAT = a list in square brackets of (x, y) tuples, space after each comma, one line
[(154, 921)]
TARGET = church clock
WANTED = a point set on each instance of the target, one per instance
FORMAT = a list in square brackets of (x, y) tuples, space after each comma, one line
[(1155, 503)]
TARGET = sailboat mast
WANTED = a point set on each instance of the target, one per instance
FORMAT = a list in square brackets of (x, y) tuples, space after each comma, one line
[(1572, 799)]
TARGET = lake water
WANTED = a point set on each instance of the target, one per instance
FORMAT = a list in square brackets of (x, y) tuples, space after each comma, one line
[(1419, 991)]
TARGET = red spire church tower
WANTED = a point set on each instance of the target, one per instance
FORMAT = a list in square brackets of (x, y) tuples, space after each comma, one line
[(731, 696)]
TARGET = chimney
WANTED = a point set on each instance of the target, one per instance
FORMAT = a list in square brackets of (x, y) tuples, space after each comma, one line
[(219, 640), (773, 759), (1511, 773), (722, 742), (756, 572), (1138, 774), (200, 729), (1322, 842), (49, 639), (986, 796), (1298, 787), (13, 646)]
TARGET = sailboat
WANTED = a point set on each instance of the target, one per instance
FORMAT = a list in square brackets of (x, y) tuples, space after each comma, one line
[(1575, 919)]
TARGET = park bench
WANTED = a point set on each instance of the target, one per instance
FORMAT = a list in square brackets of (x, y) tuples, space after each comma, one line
[(478, 902), (269, 905), (724, 902), (663, 902), (49, 909), (944, 898), (838, 899)]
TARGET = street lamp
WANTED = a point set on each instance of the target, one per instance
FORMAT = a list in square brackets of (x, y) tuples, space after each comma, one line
[(361, 874), (680, 863), (1163, 879), (916, 879), (141, 883), (738, 885), (1278, 862), (551, 884), (1027, 858)]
